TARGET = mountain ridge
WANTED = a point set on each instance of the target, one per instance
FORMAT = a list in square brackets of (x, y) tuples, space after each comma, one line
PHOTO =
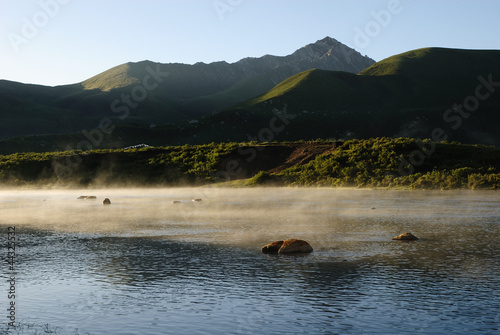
[(406, 95), (189, 91), (317, 55)]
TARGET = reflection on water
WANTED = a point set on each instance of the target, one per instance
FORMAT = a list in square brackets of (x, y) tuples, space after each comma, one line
[(147, 266)]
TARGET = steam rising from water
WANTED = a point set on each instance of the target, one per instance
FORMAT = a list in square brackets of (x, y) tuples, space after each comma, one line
[(330, 219)]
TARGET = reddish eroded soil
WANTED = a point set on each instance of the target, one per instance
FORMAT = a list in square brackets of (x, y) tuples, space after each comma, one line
[(247, 161), (303, 153)]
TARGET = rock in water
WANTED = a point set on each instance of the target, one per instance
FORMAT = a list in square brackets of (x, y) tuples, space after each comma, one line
[(287, 246), (293, 245), (406, 237), (272, 248), (106, 202)]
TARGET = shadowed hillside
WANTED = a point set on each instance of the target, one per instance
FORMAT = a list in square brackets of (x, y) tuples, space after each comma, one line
[(405, 95), (443, 94), (147, 93)]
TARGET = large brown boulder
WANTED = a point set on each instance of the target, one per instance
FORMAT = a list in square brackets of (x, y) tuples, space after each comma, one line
[(287, 246), (406, 237), (293, 245), (272, 248)]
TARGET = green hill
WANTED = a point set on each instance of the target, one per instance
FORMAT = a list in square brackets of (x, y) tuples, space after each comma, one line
[(425, 78), (405, 95), (332, 90), (118, 77), (441, 75)]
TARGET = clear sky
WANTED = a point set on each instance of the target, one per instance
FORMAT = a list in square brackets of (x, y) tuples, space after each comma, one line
[(56, 42)]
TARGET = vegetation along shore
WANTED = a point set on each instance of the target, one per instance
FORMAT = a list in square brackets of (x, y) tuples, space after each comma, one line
[(370, 163)]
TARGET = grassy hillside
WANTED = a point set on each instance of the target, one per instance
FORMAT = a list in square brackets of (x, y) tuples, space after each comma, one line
[(441, 75), (333, 91), (117, 77), (407, 95), (378, 162), (426, 78), (433, 61), (404, 95)]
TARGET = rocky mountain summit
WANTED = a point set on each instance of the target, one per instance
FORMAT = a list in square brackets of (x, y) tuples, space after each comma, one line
[(330, 54)]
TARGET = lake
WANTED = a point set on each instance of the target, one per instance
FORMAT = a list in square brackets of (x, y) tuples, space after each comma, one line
[(146, 265)]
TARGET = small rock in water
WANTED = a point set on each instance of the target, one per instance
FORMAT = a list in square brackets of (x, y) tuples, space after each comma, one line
[(196, 199), (106, 202), (176, 202), (287, 246), (406, 237), (87, 197)]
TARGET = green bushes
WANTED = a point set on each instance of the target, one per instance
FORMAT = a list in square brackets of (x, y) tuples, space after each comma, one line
[(370, 163), (194, 161), (377, 163)]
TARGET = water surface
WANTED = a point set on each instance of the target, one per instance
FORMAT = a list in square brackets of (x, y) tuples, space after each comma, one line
[(145, 265)]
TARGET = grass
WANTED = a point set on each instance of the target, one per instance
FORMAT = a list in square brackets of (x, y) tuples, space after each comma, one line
[(376, 162), (113, 78)]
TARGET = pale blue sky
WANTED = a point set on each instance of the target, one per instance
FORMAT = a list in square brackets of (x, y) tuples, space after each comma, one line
[(73, 40)]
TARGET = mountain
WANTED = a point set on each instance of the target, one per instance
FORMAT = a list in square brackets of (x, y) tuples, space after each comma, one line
[(164, 93), (434, 93), (425, 78), (410, 95), (205, 79)]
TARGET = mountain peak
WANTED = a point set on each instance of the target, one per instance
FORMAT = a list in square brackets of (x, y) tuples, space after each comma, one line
[(327, 40), (318, 49), (328, 51)]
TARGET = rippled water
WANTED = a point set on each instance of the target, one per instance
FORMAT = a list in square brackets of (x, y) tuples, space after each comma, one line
[(147, 266)]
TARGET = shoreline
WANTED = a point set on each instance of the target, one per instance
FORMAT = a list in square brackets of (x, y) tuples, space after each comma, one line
[(378, 163)]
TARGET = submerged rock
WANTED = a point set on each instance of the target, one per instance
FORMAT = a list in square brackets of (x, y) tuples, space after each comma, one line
[(287, 246), (196, 200), (406, 237), (106, 202), (87, 197)]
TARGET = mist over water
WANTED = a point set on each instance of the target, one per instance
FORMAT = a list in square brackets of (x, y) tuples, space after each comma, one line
[(97, 267)]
